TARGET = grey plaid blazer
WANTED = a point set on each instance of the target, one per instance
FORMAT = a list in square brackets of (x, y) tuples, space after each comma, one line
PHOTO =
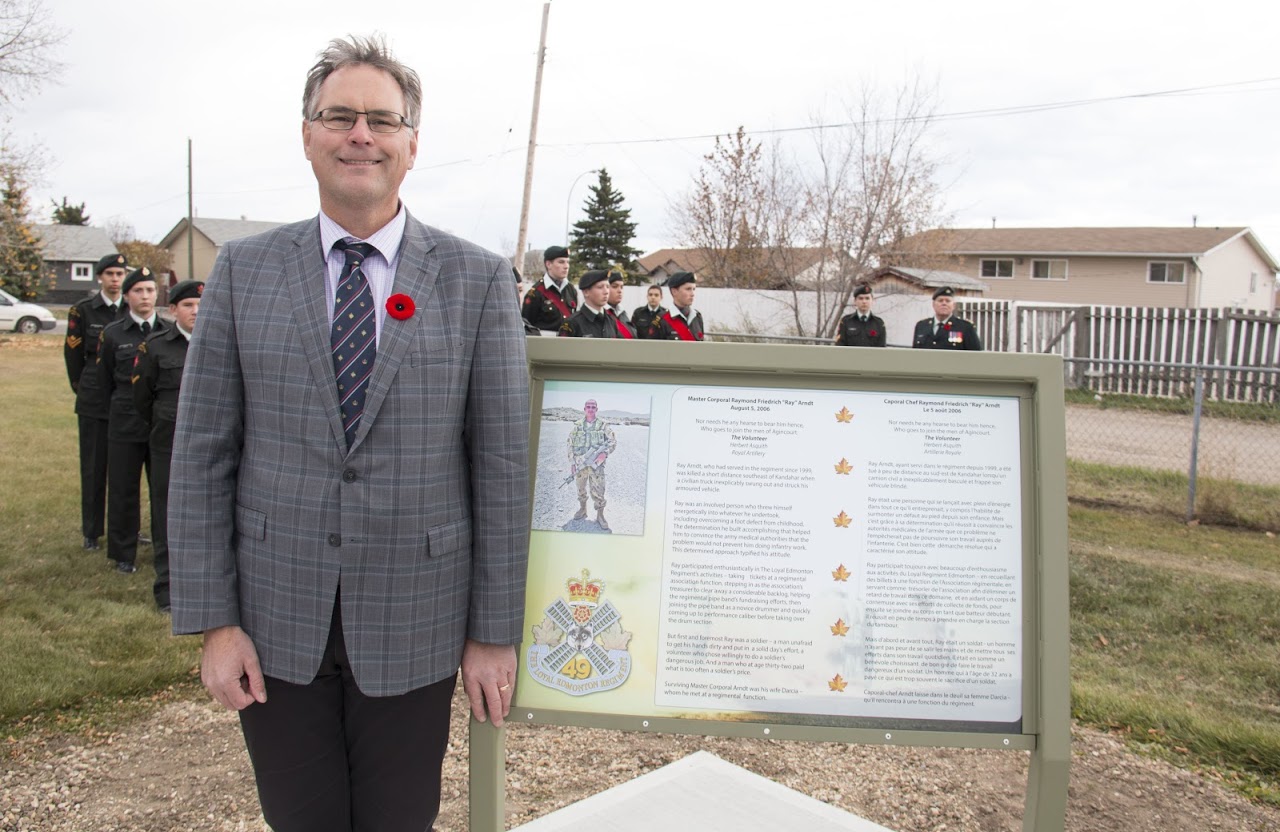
[(423, 522)]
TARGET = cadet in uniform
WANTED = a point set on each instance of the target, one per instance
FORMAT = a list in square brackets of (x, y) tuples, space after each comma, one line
[(645, 316), (157, 377), (594, 319), (944, 331), (551, 301), (85, 322), (861, 329), (590, 443), (129, 436), (683, 323), (616, 283)]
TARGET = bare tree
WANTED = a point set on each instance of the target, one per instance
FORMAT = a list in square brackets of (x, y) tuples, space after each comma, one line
[(119, 230), (28, 37)]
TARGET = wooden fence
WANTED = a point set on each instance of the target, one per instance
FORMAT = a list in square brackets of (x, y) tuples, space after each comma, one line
[(1154, 337)]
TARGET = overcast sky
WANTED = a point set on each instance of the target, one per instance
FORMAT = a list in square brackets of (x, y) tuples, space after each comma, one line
[(143, 75)]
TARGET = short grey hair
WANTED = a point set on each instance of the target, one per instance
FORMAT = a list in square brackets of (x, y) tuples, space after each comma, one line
[(368, 51)]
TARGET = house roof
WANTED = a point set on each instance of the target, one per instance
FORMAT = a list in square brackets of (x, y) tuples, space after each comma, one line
[(1134, 242), (934, 278), (74, 243), (695, 259), (219, 231)]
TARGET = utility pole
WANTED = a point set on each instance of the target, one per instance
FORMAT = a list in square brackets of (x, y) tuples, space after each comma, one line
[(522, 235), (191, 231)]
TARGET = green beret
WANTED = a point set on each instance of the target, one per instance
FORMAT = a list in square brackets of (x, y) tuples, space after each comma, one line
[(591, 278), (186, 290), (136, 277), (111, 261)]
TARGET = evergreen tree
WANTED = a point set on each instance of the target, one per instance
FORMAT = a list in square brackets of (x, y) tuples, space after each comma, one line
[(603, 239), (22, 269), (67, 214)]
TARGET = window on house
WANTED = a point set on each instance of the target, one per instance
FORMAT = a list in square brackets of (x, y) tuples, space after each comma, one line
[(1049, 269), (1166, 273), (996, 268), (1253, 282), (81, 271)]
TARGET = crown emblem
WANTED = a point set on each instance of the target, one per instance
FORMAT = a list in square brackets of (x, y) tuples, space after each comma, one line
[(585, 591)]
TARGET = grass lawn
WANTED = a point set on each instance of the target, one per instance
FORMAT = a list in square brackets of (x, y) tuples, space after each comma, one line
[(1175, 630)]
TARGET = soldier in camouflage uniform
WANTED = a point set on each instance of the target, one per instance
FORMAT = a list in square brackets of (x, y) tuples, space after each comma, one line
[(590, 443)]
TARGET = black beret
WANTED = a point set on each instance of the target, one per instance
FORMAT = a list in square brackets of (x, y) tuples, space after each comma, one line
[(554, 253), (944, 292), (616, 276), (186, 290), (111, 261), (137, 276), (591, 278), (862, 289), (680, 278)]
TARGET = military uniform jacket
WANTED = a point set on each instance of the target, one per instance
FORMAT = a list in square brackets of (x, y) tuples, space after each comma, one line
[(588, 324), (116, 351), (157, 377), (85, 322), (854, 332), (588, 440), (662, 330), (955, 334), (540, 307), (642, 319)]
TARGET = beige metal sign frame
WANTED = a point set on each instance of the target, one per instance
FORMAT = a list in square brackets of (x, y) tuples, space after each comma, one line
[(1037, 383)]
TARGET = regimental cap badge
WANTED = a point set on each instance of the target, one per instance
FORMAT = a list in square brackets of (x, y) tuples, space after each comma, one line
[(585, 591)]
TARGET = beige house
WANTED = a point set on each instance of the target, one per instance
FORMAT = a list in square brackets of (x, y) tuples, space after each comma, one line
[(209, 238), (1163, 267)]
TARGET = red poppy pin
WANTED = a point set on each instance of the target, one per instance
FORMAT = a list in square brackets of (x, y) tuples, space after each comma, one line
[(873, 333), (947, 326), (400, 307)]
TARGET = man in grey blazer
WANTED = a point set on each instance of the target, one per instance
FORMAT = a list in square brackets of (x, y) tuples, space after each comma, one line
[(344, 537)]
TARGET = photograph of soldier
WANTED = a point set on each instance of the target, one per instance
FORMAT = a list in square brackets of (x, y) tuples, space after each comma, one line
[(551, 301), (683, 323), (944, 331), (645, 316), (594, 318), (129, 437), (85, 322), (583, 437), (861, 328), (157, 378)]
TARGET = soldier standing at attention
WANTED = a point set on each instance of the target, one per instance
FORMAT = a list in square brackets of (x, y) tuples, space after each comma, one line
[(85, 322), (861, 329), (128, 435), (553, 299), (157, 377), (646, 316), (592, 320), (590, 443), (944, 331), (684, 323), (615, 297)]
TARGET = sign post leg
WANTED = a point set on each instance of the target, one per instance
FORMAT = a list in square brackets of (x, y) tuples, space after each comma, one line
[(487, 793)]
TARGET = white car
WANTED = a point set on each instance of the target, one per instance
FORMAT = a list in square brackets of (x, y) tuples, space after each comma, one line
[(27, 318)]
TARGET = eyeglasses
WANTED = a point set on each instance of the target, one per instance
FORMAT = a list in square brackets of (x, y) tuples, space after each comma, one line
[(344, 118)]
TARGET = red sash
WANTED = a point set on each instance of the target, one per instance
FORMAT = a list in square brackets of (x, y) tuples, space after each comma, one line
[(680, 328), (559, 304), (623, 331)]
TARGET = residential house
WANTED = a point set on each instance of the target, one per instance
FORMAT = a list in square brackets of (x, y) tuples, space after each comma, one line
[(1159, 267), (70, 253), (784, 268), (903, 280), (209, 238)]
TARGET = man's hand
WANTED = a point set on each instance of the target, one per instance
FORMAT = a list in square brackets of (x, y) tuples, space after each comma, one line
[(229, 668), (489, 678)]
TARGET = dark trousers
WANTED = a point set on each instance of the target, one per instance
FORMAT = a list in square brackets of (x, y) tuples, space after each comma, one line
[(93, 476), (328, 758), (125, 464), (158, 484)]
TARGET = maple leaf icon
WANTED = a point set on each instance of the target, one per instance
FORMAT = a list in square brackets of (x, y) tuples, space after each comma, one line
[(547, 633), (843, 466), (845, 415), (839, 628), (840, 573), (837, 684), (842, 520)]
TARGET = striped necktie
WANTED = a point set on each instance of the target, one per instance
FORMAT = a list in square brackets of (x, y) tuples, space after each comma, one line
[(353, 337)]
